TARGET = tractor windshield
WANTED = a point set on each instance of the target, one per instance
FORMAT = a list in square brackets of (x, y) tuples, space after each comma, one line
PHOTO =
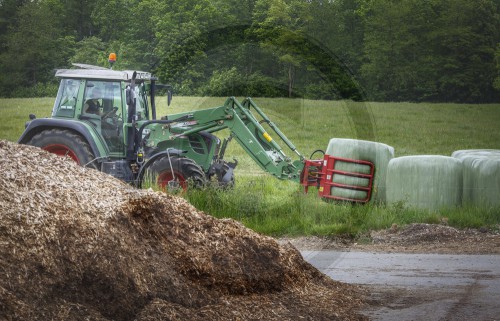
[(65, 103)]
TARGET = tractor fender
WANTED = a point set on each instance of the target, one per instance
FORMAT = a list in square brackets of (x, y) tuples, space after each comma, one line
[(152, 159), (38, 125)]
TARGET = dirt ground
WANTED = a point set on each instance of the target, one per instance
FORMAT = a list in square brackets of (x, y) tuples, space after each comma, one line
[(413, 238)]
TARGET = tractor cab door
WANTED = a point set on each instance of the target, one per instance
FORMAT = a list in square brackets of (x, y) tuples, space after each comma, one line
[(103, 108)]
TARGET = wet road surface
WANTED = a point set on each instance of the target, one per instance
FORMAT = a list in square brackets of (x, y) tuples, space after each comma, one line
[(418, 286)]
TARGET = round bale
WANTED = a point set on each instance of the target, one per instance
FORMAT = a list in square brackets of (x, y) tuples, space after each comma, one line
[(481, 171), (428, 182), (377, 153)]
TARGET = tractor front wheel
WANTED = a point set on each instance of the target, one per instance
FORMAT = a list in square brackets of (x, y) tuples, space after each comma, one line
[(222, 175), (65, 143), (175, 172)]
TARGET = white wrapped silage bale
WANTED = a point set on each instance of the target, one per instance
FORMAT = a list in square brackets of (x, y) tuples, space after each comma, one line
[(489, 153), (481, 170), (377, 153), (428, 182)]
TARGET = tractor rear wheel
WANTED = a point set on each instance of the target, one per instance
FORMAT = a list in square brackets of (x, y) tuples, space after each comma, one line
[(65, 143), (176, 172)]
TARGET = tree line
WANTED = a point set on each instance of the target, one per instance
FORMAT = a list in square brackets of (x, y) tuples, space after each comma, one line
[(384, 50)]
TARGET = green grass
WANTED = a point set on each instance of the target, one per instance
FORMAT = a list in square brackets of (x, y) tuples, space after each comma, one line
[(282, 208), (15, 112), (275, 207)]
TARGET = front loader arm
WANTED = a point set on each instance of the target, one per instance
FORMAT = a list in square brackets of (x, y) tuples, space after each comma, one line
[(248, 132)]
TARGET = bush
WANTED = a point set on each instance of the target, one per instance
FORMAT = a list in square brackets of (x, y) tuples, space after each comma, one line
[(230, 82)]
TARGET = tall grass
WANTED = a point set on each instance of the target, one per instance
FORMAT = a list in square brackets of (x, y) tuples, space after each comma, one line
[(282, 208), (276, 207)]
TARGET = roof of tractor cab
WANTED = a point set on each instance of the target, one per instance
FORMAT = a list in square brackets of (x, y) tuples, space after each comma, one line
[(102, 73)]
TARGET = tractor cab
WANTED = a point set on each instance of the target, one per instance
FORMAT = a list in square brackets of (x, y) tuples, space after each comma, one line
[(97, 97)]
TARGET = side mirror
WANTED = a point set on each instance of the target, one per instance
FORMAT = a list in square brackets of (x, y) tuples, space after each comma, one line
[(128, 96), (130, 93), (169, 91)]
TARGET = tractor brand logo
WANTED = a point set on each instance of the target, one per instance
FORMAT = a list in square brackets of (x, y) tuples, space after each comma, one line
[(143, 75), (185, 124)]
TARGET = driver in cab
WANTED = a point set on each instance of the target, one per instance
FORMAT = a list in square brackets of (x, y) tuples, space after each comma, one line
[(93, 105)]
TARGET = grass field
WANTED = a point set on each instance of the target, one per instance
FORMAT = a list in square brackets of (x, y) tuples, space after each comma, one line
[(277, 207)]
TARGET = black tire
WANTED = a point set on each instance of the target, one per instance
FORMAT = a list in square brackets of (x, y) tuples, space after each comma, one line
[(217, 177), (65, 143), (185, 172)]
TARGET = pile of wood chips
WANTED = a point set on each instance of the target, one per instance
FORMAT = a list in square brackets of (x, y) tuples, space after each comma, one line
[(76, 244)]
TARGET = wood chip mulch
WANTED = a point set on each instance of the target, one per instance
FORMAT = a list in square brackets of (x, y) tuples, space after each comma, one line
[(76, 244)]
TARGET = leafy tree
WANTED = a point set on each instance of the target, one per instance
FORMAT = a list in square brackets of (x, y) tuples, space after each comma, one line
[(293, 31), (399, 57), (279, 25), (8, 18), (338, 26), (90, 50), (432, 50), (178, 25), (33, 49), (496, 82), (438, 50), (113, 18), (76, 17), (464, 40)]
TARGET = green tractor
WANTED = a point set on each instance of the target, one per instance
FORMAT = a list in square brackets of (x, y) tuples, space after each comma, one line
[(106, 119)]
